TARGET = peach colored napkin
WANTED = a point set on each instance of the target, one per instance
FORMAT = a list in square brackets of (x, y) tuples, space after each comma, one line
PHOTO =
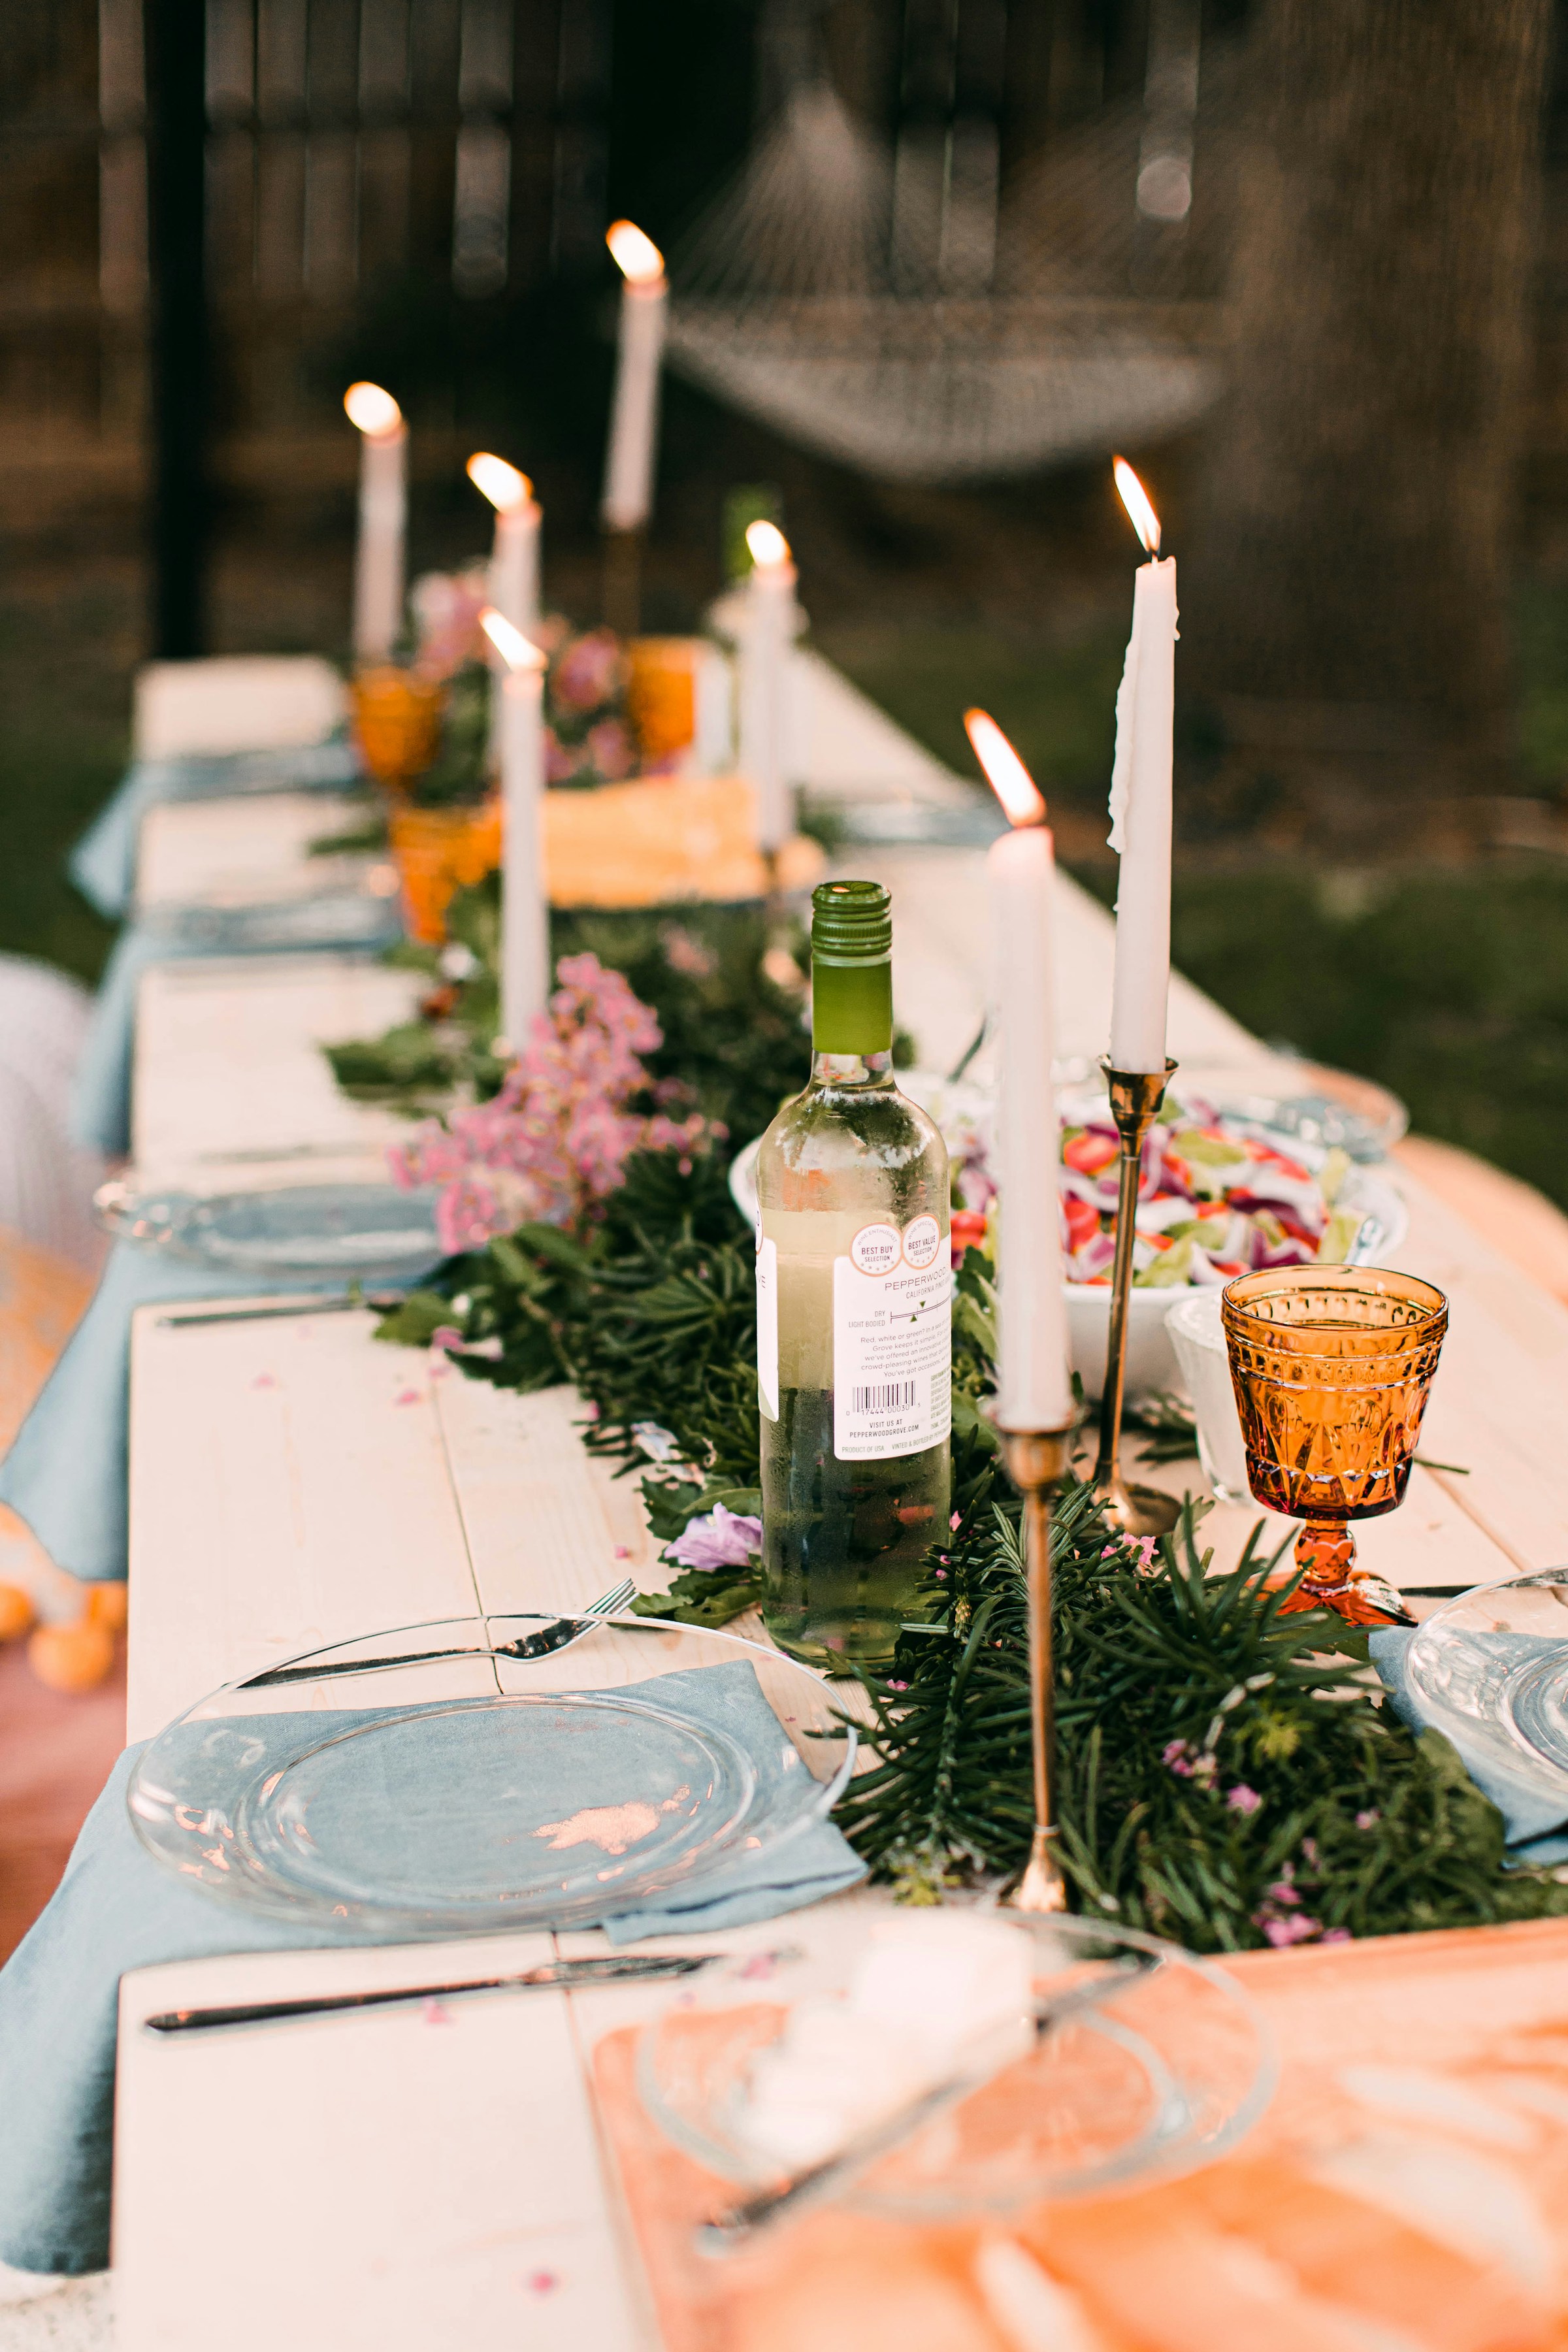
[(1407, 2187)]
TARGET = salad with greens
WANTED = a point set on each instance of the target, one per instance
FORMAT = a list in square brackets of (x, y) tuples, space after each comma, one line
[(1219, 1197)]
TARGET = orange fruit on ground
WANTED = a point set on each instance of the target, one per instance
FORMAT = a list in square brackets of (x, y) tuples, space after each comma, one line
[(71, 1657), (15, 1612), (108, 1604)]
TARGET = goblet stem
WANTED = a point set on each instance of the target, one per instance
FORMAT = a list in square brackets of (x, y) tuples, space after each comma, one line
[(1325, 1552)]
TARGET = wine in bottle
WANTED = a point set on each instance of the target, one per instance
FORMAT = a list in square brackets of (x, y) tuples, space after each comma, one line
[(854, 1314)]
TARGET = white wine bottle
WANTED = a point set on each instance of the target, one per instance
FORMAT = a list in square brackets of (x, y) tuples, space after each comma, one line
[(854, 1315)]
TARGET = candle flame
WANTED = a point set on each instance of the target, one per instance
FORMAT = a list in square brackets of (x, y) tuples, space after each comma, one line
[(767, 543), (1139, 507), (372, 410), (636, 256), (517, 651), (505, 487), (1021, 798)]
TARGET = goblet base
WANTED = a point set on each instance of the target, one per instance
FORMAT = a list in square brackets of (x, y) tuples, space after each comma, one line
[(1325, 1550)]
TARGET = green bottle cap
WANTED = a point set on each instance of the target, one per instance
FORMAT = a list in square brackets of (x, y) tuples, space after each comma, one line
[(851, 969)]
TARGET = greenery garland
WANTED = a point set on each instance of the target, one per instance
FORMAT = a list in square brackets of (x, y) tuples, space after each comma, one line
[(1227, 1776)]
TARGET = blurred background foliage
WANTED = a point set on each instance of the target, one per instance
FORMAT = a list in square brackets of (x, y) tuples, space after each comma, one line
[(1436, 963)]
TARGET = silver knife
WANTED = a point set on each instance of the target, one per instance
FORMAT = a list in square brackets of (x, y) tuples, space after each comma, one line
[(554, 1976)]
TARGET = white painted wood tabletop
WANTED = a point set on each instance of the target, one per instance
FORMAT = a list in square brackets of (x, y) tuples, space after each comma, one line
[(231, 1086), (400, 2183)]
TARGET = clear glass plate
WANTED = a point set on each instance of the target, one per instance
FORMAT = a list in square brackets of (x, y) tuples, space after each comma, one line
[(312, 1229), (1164, 2070), (1490, 1670), (440, 1779)]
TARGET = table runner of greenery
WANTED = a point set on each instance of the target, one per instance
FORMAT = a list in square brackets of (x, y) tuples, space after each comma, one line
[(1227, 1776)]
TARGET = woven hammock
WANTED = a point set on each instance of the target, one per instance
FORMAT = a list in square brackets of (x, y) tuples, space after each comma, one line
[(873, 309)]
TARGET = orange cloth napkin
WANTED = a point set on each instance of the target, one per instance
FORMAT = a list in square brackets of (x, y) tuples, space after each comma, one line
[(1408, 2185)]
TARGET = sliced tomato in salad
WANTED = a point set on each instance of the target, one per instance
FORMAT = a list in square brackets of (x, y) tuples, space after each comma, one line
[(1088, 1152)]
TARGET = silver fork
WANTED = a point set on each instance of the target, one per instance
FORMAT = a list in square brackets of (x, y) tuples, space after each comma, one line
[(558, 1635)]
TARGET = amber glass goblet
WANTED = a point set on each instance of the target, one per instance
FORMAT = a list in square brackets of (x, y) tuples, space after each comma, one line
[(1333, 1366), (397, 717)]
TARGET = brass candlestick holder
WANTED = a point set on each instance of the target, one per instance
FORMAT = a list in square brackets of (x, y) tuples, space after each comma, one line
[(1037, 1463), (1135, 1099)]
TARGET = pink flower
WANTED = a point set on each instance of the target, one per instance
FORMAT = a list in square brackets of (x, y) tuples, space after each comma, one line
[(1369, 1820), (467, 1214), (446, 1335), (1297, 1928), (720, 1538), (555, 1140), (955, 1523), (684, 954), (610, 749), (1178, 1758), (1243, 1799), (589, 673), (562, 761), (1282, 1892), (446, 608)]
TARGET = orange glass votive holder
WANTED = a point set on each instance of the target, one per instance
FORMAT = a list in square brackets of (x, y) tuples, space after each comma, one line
[(1333, 1366), (661, 696), (397, 716), (439, 851)]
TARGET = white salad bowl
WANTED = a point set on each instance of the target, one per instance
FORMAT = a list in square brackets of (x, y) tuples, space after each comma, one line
[(1151, 1367)]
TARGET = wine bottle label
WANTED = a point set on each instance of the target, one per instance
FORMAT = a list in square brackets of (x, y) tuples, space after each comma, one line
[(767, 1325), (892, 1343)]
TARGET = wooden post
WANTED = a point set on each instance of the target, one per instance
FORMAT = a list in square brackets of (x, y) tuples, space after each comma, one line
[(174, 32)]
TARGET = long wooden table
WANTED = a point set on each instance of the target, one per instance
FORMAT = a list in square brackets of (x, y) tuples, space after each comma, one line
[(378, 2182)]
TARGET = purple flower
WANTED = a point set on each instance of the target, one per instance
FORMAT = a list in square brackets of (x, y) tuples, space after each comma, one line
[(1243, 1799), (720, 1538)]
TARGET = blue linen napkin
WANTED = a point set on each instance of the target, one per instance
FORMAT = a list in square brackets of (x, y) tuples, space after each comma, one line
[(1535, 1824), (103, 863), (100, 1092), (118, 1908), (67, 1471)]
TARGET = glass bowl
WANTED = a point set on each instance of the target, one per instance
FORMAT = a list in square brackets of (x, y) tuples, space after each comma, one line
[(1164, 2066)]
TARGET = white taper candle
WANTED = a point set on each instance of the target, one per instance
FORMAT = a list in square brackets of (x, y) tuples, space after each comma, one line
[(1034, 1384), (1140, 802), (634, 415), (383, 519), (767, 656), (525, 906)]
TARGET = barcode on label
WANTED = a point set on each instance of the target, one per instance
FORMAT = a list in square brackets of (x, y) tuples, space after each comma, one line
[(893, 1396)]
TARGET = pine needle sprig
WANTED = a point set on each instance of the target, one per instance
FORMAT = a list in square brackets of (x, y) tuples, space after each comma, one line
[(1222, 1775)]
